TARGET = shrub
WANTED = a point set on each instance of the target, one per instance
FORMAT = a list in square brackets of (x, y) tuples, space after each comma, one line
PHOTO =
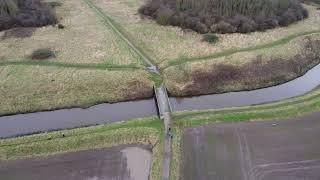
[(54, 4), (42, 54), (164, 15), (224, 27), (225, 16), (28, 13), (210, 38), (60, 26)]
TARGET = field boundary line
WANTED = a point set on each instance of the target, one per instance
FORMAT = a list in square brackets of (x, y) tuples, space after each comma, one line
[(124, 36), (228, 52), (98, 66)]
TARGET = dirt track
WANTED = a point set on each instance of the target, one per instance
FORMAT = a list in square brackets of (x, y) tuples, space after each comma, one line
[(265, 150), (123, 162)]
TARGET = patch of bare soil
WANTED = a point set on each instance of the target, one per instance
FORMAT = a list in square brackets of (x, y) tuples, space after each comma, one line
[(277, 150), (110, 163)]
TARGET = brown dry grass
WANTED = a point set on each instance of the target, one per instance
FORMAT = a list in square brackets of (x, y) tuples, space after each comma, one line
[(35, 88), (245, 71), (83, 40), (167, 43)]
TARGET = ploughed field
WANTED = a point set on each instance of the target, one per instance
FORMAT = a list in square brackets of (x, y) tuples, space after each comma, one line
[(121, 162), (261, 150)]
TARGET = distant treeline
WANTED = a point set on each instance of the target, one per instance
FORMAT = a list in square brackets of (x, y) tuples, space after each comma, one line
[(25, 13), (225, 16)]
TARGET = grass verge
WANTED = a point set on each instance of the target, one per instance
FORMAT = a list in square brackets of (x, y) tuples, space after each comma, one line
[(100, 66), (141, 131)]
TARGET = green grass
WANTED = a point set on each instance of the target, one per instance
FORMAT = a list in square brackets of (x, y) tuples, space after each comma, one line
[(140, 131), (101, 66), (229, 52)]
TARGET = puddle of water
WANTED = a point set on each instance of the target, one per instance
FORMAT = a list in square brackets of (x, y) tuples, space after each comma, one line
[(70, 118), (138, 162), (290, 89)]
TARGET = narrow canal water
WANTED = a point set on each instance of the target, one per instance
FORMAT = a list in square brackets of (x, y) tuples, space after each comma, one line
[(296, 87), (22, 124)]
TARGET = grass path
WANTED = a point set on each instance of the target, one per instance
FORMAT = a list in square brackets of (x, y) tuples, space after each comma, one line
[(229, 52), (108, 21), (100, 66)]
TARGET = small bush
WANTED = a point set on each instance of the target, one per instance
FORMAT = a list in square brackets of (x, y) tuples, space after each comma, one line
[(54, 4), (61, 26), (164, 16), (210, 38), (42, 54)]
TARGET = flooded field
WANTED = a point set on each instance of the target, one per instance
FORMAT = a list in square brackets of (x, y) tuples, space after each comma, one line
[(262, 150), (117, 163)]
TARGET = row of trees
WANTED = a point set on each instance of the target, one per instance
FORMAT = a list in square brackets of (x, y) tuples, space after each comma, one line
[(225, 16)]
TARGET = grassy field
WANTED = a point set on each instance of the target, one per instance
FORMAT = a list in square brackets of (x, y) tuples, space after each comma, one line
[(35, 88), (85, 39), (92, 65), (82, 73), (191, 66), (168, 43), (141, 131), (266, 66)]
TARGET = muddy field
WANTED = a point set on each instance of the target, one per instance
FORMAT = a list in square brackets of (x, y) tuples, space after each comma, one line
[(265, 150), (122, 162)]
